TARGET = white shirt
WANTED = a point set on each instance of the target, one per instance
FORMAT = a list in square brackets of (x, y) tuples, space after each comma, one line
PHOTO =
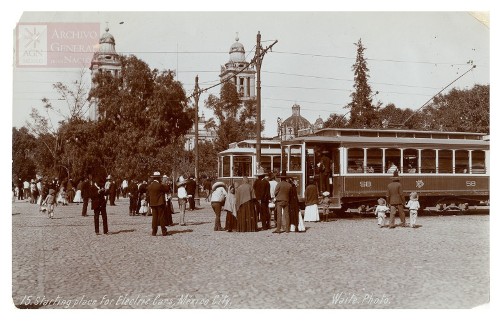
[(181, 192), (272, 185), (219, 194)]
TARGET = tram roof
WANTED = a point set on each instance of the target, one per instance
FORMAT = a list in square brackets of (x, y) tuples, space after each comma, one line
[(370, 132), (389, 141), (251, 150)]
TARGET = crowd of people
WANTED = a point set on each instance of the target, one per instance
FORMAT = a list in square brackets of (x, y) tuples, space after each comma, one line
[(245, 203)]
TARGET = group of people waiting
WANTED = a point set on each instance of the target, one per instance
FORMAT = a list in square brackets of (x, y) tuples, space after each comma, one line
[(246, 204)]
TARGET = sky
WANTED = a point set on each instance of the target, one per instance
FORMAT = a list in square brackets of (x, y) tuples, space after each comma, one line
[(411, 56)]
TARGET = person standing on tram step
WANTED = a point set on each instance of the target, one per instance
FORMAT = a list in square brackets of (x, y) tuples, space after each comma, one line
[(262, 196), (156, 192), (396, 200), (325, 171), (282, 194)]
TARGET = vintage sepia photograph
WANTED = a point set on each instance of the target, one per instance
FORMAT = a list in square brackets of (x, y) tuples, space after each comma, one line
[(262, 160)]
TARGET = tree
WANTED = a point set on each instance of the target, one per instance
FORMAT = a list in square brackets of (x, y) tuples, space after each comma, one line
[(143, 116), (336, 121), (391, 116), (23, 154), (234, 121), (363, 113)]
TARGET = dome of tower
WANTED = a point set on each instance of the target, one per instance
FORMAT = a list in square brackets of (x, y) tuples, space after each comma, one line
[(237, 52), (107, 43), (296, 121)]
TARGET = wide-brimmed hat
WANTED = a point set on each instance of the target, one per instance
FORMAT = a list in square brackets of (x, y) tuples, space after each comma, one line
[(414, 196), (326, 194), (395, 176), (109, 177), (156, 174), (218, 184), (181, 181)]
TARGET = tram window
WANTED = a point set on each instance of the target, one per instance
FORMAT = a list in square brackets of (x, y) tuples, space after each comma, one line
[(242, 166), (355, 160), (276, 164), (428, 161), (265, 162), (461, 161), (445, 161), (226, 166), (478, 162), (410, 161), (374, 160), (295, 158), (392, 160)]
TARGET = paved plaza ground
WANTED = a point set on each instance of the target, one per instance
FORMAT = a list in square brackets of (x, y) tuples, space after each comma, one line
[(346, 263)]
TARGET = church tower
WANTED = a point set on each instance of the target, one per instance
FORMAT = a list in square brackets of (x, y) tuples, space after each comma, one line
[(245, 79), (105, 59)]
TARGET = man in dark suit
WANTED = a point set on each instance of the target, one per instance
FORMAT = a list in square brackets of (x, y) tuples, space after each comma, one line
[(85, 195), (263, 196), (282, 194), (396, 199), (191, 191), (156, 192), (98, 195)]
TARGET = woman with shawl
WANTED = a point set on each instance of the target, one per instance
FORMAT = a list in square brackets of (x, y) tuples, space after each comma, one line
[(294, 208), (230, 208), (245, 207)]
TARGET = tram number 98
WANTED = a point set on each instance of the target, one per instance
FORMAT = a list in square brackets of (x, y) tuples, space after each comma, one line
[(365, 183), (470, 183)]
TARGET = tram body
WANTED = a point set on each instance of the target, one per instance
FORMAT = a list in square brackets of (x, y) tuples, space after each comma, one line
[(442, 167)]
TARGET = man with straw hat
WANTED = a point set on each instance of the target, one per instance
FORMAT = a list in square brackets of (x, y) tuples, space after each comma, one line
[(157, 192)]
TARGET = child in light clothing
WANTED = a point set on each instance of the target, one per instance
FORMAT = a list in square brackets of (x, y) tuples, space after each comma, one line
[(380, 211), (50, 202), (144, 206), (413, 205)]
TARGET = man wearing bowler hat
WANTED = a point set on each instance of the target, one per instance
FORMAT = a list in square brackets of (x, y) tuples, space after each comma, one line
[(157, 192), (282, 193), (396, 198), (262, 195)]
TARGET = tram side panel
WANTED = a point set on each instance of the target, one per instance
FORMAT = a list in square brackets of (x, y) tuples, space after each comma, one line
[(430, 188)]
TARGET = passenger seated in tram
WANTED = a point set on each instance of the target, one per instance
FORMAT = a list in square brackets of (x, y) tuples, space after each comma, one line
[(411, 169), (392, 168)]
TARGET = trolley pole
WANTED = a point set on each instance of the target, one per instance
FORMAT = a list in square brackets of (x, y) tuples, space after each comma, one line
[(196, 96), (259, 55)]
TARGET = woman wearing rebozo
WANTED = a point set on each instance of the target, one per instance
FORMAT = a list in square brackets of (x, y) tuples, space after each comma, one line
[(217, 200), (245, 207)]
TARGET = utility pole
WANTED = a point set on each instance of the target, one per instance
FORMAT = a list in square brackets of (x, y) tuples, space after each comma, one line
[(196, 96), (259, 55)]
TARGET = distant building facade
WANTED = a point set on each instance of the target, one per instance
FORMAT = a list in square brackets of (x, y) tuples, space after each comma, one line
[(204, 134)]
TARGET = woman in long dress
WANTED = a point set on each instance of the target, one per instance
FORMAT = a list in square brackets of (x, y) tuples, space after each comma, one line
[(230, 208), (78, 195), (311, 200), (245, 207)]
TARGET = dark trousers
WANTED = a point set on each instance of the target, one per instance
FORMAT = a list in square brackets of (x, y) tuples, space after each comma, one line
[(283, 215), (265, 218), (324, 182), (217, 207), (399, 208), (85, 205), (158, 217), (192, 206), (132, 208), (104, 215)]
